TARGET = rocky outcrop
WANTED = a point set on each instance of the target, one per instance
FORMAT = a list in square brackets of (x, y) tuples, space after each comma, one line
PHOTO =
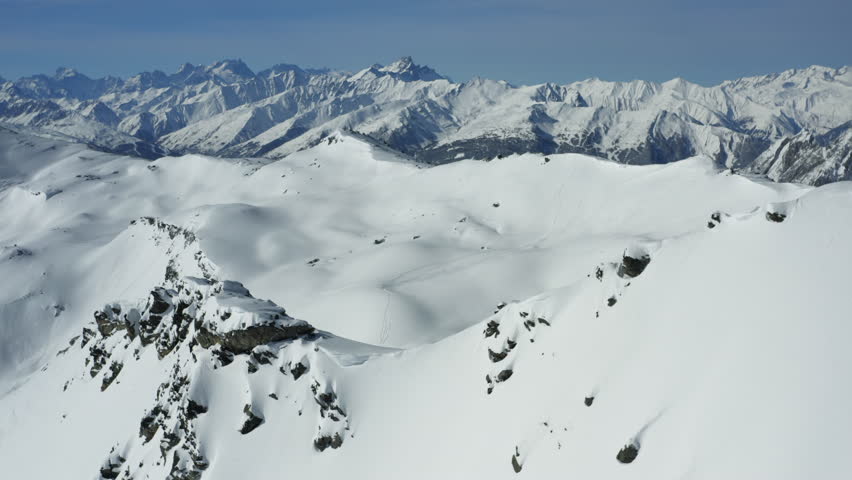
[(179, 320), (503, 332)]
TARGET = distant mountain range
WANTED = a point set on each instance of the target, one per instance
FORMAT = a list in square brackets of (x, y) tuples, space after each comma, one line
[(792, 126)]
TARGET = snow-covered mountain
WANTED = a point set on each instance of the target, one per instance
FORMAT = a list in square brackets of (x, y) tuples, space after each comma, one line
[(225, 109), (526, 317)]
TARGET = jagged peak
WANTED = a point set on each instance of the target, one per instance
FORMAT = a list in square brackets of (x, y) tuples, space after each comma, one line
[(281, 68), (187, 67), (233, 66), (403, 69), (401, 65), (66, 72)]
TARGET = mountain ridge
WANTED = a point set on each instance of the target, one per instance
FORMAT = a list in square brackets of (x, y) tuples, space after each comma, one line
[(226, 109)]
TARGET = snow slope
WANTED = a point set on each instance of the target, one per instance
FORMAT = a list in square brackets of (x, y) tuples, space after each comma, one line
[(671, 321)]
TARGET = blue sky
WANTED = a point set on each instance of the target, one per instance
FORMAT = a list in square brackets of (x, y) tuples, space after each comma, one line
[(530, 41)]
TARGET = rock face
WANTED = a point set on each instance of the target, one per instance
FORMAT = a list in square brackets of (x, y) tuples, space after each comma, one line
[(252, 421), (791, 126), (180, 320), (239, 322), (809, 157)]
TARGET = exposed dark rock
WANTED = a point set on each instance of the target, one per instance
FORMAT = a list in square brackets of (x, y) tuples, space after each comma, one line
[(194, 409), (298, 370), (504, 375), (633, 267), (492, 329), (150, 423), (611, 301), (107, 321), (715, 219), (168, 442), (20, 252), (516, 464), (243, 341), (628, 453), (177, 331), (775, 217), (98, 357), (86, 336), (111, 375), (160, 301), (192, 471), (112, 469), (497, 356), (599, 273), (263, 357), (172, 275), (588, 401), (543, 320), (224, 357), (324, 441), (251, 367), (252, 421), (378, 241)]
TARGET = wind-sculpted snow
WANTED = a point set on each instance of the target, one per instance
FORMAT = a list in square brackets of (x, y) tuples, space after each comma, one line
[(225, 109), (651, 321)]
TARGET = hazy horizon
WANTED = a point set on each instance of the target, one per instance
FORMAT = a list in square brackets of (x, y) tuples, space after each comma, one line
[(523, 43)]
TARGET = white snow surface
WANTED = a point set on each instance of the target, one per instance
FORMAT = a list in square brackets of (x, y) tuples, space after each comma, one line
[(725, 358)]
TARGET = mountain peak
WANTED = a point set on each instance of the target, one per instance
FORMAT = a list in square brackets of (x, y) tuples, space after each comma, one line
[(65, 72), (186, 67), (230, 71), (401, 65), (406, 70)]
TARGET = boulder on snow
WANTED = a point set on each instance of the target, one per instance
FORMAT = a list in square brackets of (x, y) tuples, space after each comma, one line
[(516, 463), (628, 453), (715, 219), (633, 266), (492, 329), (775, 217), (497, 356), (324, 441), (252, 421)]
